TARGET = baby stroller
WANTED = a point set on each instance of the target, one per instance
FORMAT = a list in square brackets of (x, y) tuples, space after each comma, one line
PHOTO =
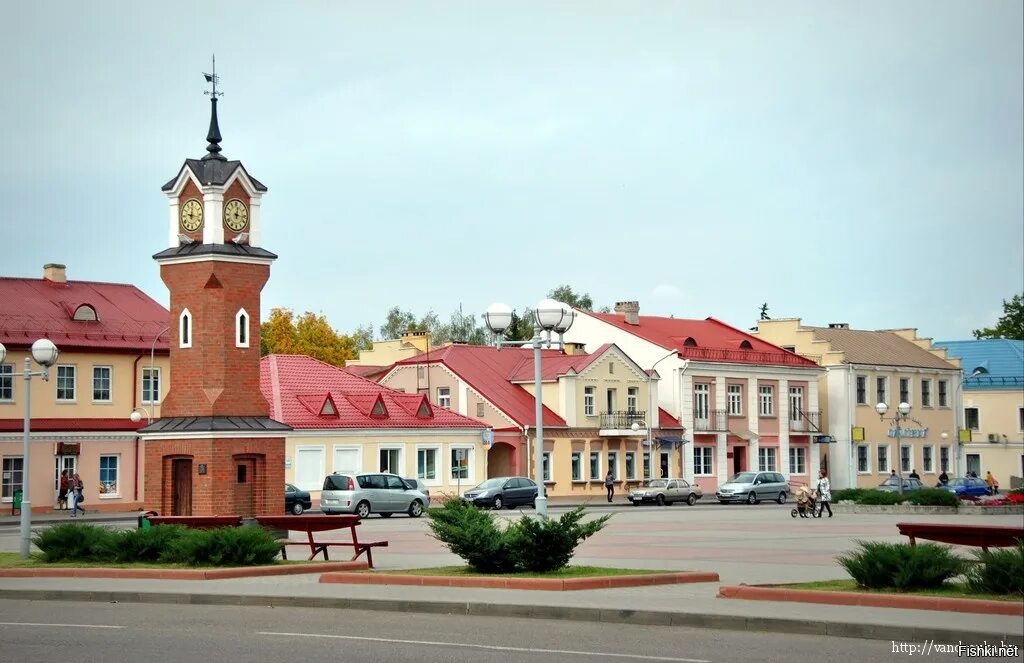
[(806, 504)]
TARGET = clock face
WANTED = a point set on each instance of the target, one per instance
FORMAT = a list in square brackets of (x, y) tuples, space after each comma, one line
[(191, 215), (236, 215)]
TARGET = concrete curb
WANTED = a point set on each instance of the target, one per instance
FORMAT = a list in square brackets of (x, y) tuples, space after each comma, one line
[(549, 584), (183, 574), (639, 617), (910, 509), (911, 602)]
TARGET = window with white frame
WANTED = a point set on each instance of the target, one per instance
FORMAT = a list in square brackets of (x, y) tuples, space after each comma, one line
[(108, 475), (613, 464), (185, 329), (6, 382), (647, 464), (595, 466), (444, 397), (735, 393), (796, 403), (480, 410), (973, 464), (347, 460), (241, 329), (862, 390), (928, 459), (943, 393), (65, 383), (863, 462), (309, 466), (701, 401), (882, 452), (546, 465), (12, 476), (391, 460), (630, 465), (905, 391), (766, 459), (797, 460), (882, 389), (1020, 418), (151, 385), (101, 383), (702, 460), (926, 393), (588, 401), (461, 457), (906, 456), (577, 466), (426, 463), (944, 459), (972, 418), (632, 398), (766, 400)]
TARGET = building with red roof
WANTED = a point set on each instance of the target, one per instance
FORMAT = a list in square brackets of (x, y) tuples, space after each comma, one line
[(113, 359), (746, 403), (590, 404), (342, 422)]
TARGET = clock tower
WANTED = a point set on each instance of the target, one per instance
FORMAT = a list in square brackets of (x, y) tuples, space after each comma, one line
[(215, 449)]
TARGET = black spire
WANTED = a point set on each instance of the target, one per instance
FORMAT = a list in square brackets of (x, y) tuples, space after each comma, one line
[(213, 135)]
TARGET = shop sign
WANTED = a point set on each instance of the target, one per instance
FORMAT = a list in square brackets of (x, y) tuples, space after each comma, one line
[(909, 432), (68, 448)]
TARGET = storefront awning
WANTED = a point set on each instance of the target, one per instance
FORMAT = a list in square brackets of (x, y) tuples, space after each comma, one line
[(746, 434)]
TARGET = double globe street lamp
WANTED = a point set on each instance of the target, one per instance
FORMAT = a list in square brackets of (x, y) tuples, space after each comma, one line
[(549, 316), (45, 353), (901, 417)]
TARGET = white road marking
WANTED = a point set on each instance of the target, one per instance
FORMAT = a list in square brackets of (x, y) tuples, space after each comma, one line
[(60, 625), (464, 645)]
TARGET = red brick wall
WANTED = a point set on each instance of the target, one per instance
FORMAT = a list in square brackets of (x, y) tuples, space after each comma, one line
[(213, 377), (214, 492)]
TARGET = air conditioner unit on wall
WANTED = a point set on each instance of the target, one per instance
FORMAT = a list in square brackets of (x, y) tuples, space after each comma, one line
[(993, 437)]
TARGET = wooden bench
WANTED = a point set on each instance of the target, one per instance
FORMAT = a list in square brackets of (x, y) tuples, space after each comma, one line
[(197, 522), (311, 524), (982, 536)]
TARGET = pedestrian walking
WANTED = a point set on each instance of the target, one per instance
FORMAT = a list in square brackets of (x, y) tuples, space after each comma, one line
[(993, 485), (62, 491), (609, 484), (824, 492), (77, 495)]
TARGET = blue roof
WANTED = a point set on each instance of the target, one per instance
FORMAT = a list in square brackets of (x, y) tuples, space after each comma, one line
[(989, 363)]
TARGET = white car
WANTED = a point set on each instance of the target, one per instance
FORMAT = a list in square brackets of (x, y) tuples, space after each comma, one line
[(666, 491)]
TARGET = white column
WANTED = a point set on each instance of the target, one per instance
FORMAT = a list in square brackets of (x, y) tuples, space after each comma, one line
[(784, 427), (255, 222), (463, 399), (722, 461), (213, 216), (753, 423), (172, 238)]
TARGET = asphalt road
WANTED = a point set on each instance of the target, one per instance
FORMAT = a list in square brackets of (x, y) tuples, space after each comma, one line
[(46, 631)]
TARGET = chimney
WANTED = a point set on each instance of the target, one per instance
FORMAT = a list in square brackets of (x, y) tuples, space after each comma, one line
[(839, 325), (572, 348), (631, 310), (54, 273)]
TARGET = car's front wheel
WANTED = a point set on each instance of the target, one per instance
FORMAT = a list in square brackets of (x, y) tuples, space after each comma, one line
[(363, 509), (498, 502), (661, 500), (415, 509), (752, 498), (691, 499), (297, 509)]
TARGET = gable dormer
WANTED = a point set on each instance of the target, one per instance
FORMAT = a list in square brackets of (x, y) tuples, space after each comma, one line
[(379, 410), (424, 411)]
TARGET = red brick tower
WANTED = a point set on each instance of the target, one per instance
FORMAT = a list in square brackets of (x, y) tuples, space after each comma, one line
[(215, 450)]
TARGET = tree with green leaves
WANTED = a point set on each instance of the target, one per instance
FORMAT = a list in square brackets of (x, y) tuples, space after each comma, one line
[(566, 295), (398, 322), (1010, 325), (310, 334), (521, 326), (764, 311)]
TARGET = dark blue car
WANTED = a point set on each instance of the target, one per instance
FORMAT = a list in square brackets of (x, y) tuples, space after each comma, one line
[(967, 487)]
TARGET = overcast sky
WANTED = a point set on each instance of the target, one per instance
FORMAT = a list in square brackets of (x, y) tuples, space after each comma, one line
[(842, 161)]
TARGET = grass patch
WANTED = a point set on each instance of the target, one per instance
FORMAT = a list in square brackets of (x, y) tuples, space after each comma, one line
[(10, 560), (564, 572), (950, 590)]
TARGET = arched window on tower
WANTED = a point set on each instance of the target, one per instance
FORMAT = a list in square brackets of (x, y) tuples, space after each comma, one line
[(241, 329), (185, 329)]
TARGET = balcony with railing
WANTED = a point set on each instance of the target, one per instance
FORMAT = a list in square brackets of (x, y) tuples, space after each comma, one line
[(805, 421), (617, 423), (710, 421)]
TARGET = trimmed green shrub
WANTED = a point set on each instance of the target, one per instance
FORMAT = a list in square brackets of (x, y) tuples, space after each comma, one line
[(74, 542), (998, 571), (542, 545), (844, 494), (932, 497), (473, 535), (901, 566), (142, 545), (880, 497), (225, 546)]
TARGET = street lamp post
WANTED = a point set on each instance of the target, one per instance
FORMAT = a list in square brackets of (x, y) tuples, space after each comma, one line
[(901, 416), (549, 316), (650, 408), (45, 353)]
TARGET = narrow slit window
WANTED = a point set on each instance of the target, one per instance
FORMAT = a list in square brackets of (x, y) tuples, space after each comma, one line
[(185, 329), (241, 329)]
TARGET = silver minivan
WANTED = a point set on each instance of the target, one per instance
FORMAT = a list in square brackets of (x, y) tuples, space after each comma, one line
[(752, 487), (373, 492)]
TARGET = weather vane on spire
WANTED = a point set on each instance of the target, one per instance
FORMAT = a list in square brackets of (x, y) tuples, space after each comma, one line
[(213, 78)]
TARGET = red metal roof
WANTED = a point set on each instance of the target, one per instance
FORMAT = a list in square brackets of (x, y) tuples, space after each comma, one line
[(296, 387), (57, 425), (490, 371), (714, 340), (666, 420), (127, 318)]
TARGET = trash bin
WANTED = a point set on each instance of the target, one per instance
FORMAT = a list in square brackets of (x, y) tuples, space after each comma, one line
[(16, 504), (144, 522)]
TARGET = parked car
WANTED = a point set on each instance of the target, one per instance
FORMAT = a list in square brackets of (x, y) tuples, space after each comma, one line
[(752, 487), (666, 491), (296, 501), (417, 484), (967, 487), (892, 484), (503, 492), (376, 492)]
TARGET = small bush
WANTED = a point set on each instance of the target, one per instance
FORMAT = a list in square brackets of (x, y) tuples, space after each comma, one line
[(142, 545), (542, 545), (880, 497), (473, 535), (73, 542), (998, 571), (901, 566), (225, 546), (932, 497), (847, 494)]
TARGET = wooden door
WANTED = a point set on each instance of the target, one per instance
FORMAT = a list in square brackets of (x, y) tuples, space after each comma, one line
[(245, 482), (181, 487)]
